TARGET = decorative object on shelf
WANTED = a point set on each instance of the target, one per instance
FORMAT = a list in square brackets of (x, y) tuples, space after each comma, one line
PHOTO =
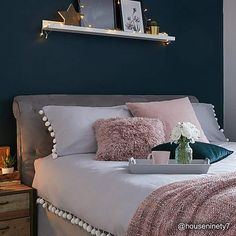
[(154, 28), (98, 14), (131, 11), (70, 16), (147, 21), (132, 16), (148, 26), (183, 134), (4, 151), (8, 164)]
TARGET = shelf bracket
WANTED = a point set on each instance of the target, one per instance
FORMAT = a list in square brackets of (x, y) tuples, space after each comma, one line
[(44, 33)]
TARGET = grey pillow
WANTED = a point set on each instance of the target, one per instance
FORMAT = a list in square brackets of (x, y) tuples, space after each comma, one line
[(207, 118), (72, 126)]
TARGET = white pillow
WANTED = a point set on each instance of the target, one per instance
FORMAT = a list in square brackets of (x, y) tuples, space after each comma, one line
[(72, 126), (207, 118)]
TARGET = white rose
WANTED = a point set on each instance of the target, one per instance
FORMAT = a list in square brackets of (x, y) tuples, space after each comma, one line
[(186, 131), (175, 134), (196, 134)]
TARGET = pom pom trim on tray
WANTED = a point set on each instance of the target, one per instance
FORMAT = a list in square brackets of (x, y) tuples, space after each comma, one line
[(221, 130), (71, 218), (52, 133)]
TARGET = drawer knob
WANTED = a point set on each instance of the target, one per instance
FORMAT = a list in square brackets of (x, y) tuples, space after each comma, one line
[(4, 203), (5, 228)]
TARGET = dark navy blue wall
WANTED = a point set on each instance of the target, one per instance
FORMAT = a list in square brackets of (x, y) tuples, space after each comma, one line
[(67, 63)]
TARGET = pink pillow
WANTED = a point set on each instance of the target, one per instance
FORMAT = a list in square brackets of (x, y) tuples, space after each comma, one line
[(122, 138), (169, 112)]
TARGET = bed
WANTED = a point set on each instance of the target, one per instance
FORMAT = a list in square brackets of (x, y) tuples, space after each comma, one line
[(104, 194)]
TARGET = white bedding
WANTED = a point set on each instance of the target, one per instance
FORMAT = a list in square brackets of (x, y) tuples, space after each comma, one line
[(104, 194)]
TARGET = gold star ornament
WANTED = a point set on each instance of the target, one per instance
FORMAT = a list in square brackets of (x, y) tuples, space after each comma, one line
[(70, 16)]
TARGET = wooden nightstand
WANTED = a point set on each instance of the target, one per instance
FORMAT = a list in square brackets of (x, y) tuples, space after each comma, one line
[(17, 211)]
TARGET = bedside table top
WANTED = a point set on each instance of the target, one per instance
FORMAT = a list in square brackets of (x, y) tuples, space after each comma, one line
[(13, 189)]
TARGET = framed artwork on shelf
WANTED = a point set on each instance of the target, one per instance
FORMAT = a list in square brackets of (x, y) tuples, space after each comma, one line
[(132, 16), (98, 14)]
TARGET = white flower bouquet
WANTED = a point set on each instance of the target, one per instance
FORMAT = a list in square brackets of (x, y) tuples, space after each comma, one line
[(183, 134), (185, 131)]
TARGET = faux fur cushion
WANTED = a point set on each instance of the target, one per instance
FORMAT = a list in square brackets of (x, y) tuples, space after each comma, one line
[(122, 138)]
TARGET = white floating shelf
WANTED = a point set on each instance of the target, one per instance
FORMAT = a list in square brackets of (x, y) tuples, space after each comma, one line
[(61, 27)]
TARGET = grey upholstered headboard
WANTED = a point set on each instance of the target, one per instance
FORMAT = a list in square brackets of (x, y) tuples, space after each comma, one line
[(33, 140)]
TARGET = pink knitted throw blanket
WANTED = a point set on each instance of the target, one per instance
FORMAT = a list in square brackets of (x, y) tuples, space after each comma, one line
[(205, 206)]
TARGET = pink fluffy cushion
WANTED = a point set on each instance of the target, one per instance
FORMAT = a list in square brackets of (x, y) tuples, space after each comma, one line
[(169, 112), (122, 138)]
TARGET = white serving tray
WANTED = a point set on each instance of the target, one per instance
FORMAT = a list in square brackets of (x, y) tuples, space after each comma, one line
[(144, 166)]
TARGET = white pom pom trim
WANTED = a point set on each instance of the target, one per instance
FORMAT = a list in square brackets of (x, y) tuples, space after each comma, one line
[(89, 228), (98, 233), (50, 208), (76, 221), (215, 116), (54, 156), (221, 130), (71, 218), (41, 201), (52, 133), (47, 123), (56, 211), (85, 226), (60, 213), (64, 215), (53, 209)]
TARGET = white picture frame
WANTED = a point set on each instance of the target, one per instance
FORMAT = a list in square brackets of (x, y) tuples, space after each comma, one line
[(132, 16)]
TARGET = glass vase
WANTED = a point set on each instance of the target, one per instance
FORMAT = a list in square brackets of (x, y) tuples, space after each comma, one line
[(183, 153)]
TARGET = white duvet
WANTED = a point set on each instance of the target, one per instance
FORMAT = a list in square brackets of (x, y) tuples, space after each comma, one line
[(104, 194)]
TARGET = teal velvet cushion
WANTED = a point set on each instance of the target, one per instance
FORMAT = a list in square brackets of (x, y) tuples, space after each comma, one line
[(200, 151)]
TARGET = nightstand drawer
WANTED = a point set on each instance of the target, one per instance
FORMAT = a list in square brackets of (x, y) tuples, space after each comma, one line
[(17, 227), (14, 206)]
